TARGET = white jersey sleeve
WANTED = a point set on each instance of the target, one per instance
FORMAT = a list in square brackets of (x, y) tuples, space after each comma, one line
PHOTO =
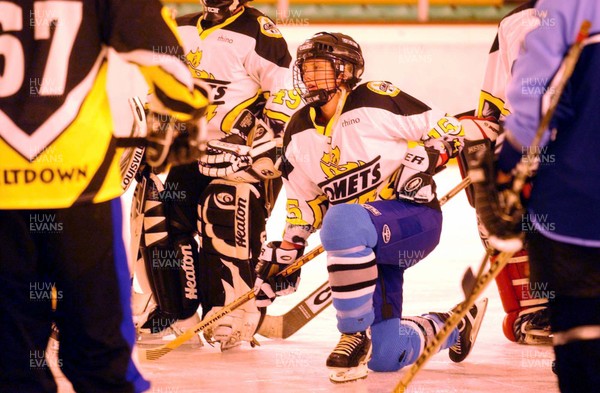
[(269, 64), (354, 158), (508, 42)]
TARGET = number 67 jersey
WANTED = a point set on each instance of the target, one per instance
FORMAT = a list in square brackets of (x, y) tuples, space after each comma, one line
[(56, 143)]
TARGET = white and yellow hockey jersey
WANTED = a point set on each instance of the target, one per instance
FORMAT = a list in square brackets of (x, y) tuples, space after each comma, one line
[(354, 159), (511, 33), (245, 59)]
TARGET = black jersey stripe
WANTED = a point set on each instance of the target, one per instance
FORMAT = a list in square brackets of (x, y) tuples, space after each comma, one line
[(351, 266), (95, 184), (353, 287)]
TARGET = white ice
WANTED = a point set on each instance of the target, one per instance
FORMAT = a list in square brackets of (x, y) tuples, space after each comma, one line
[(298, 363), (439, 64)]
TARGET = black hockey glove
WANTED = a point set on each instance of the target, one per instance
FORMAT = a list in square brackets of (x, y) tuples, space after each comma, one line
[(498, 207), (174, 142), (415, 177), (171, 142), (269, 284)]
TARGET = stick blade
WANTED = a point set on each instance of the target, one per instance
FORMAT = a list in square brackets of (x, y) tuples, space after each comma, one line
[(468, 282), (151, 354), (271, 327)]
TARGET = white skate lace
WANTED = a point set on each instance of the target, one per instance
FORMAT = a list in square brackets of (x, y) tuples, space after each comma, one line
[(348, 343)]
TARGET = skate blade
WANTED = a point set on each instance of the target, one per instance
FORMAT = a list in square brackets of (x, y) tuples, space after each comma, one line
[(478, 321), (537, 338), (343, 375)]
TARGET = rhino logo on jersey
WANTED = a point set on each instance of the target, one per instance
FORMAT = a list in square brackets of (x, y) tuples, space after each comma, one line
[(352, 182)]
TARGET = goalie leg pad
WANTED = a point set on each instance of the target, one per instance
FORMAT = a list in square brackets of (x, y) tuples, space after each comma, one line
[(232, 227), (516, 296), (169, 249), (348, 236)]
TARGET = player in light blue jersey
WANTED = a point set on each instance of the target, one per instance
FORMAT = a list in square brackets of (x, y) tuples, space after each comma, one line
[(564, 239)]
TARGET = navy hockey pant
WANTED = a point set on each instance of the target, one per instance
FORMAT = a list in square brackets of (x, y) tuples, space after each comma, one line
[(368, 249), (80, 252), (569, 277)]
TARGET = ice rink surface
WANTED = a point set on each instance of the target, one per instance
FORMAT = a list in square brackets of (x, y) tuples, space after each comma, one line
[(441, 65), (297, 364)]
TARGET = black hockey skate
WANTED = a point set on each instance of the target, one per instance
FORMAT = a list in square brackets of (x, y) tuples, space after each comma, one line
[(157, 322), (348, 360), (468, 329), (533, 327)]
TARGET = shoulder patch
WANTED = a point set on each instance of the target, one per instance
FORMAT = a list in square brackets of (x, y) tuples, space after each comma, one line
[(268, 27), (383, 88)]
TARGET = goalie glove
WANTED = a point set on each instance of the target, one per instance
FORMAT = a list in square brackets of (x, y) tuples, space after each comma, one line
[(415, 177), (247, 154), (171, 142), (499, 209), (268, 284)]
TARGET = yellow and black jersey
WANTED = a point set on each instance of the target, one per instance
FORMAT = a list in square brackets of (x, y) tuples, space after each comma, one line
[(511, 33), (56, 142), (354, 158), (245, 59)]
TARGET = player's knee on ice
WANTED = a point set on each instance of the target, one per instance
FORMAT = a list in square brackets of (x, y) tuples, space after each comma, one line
[(347, 226), (397, 344), (394, 345)]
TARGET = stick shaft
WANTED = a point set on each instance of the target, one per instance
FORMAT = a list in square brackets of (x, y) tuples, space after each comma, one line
[(452, 322), (156, 353)]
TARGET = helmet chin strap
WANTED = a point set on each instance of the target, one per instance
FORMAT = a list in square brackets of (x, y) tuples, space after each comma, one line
[(318, 97), (321, 96)]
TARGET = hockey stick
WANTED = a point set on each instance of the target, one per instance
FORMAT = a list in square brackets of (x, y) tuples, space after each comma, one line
[(283, 326), (523, 172), (456, 316), (156, 353)]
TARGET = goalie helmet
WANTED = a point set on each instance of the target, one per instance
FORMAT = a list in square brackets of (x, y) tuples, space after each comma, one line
[(216, 11), (345, 57)]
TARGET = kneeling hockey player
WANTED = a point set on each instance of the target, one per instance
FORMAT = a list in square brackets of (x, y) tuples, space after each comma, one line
[(348, 170)]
